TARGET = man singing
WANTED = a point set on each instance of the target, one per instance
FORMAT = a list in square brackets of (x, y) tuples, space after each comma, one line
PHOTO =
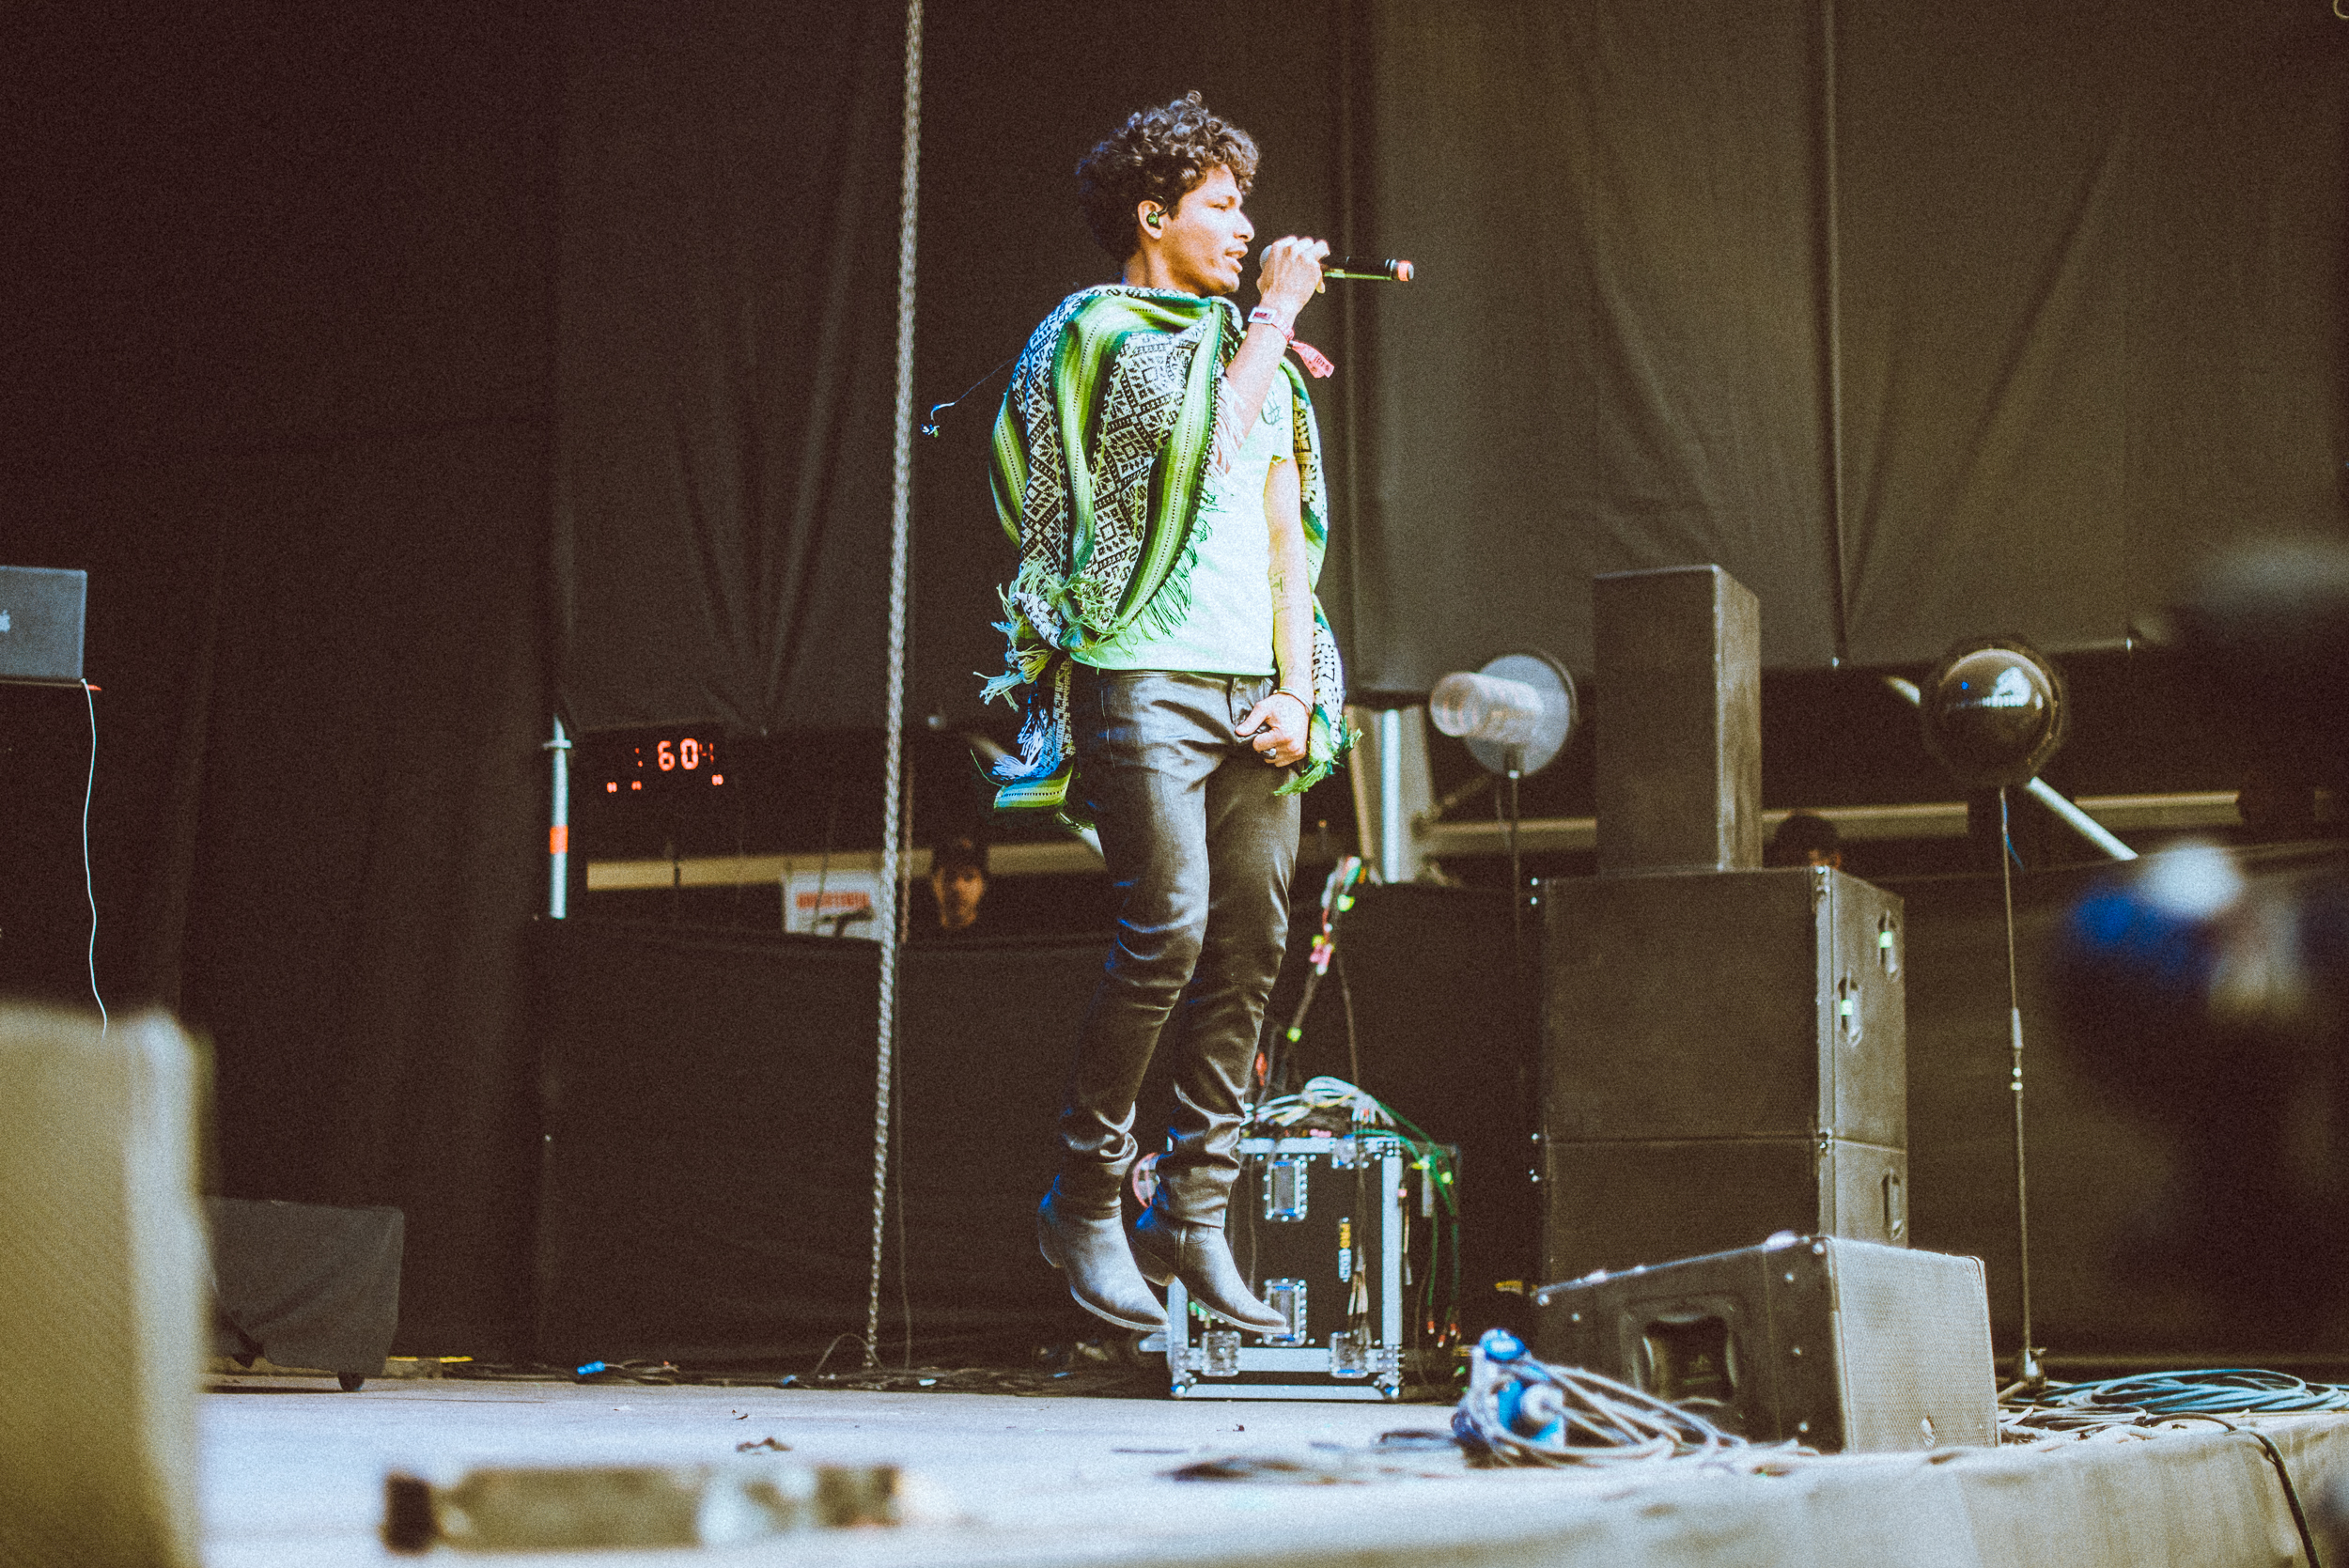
[(1157, 464)]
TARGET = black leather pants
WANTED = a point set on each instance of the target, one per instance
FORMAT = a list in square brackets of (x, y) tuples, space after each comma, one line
[(1199, 850)]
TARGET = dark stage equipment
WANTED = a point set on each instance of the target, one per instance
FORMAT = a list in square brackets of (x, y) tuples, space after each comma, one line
[(705, 1111), (708, 1097), (1835, 1343), (705, 1115), (41, 623), (1727, 1058), (307, 1285), (1994, 713), (1428, 1010), (101, 1264), (1334, 1233), (1680, 745)]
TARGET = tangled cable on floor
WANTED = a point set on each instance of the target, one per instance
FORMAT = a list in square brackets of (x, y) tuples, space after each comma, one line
[(1521, 1410), (2220, 1390), (2147, 1404), (2147, 1400)]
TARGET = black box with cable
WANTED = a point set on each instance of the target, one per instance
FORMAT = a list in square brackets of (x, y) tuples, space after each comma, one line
[(1343, 1234)]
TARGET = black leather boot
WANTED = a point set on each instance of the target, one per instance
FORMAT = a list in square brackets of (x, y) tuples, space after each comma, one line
[(1197, 1253), (1093, 1251)]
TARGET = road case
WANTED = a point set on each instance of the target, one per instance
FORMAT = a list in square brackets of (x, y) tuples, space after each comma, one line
[(1336, 1234)]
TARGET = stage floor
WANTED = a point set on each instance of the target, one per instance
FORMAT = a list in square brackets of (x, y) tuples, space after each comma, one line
[(293, 1474)]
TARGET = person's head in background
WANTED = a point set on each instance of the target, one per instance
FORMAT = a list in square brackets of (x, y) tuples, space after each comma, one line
[(958, 880), (1805, 839)]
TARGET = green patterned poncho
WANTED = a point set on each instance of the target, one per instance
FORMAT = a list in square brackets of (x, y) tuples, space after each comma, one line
[(1101, 452)]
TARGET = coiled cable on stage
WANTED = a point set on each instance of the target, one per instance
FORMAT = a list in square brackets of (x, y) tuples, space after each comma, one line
[(2222, 1391), (1520, 1410), (900, 535)]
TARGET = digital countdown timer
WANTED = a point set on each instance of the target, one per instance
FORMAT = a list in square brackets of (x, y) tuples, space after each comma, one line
[(658, 764)]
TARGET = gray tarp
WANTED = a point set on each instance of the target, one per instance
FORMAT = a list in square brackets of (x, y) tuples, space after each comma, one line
[(2072, 276)]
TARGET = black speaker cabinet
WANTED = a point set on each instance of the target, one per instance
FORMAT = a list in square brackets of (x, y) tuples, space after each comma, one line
[(1724, 1056), (1836, 1344), (1679, 771)]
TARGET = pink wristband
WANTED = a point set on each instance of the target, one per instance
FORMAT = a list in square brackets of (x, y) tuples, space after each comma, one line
[(1296, 698), (1317, 363), (1263, 314)]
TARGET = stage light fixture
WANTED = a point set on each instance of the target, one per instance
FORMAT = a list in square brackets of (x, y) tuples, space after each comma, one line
[(1993, 713), (1515, 714)]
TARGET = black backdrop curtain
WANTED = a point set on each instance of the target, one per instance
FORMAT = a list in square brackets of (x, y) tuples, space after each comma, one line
[(2074, 271), (1923, 326), (287, 406), (1616, 359), (2092, 263), (726, 344)]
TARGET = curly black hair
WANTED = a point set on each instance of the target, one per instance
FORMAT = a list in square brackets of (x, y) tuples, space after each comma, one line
[(1158, 155), (1803, 835)]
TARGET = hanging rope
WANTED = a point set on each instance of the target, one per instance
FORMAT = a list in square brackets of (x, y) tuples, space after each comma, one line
[(900, 531)]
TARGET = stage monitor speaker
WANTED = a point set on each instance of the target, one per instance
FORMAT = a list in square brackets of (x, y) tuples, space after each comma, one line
[(1726, 1056), (1838, 1344), (101, 1268)]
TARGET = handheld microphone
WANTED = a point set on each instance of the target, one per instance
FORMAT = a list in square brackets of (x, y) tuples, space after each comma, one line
[(1363, 268)]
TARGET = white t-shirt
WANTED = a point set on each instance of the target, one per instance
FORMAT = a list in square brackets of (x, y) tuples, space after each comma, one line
[(1228, 628)]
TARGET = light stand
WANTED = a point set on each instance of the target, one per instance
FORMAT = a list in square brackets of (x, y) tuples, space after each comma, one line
[(2027, 1370), (1514, 715), (1517, 893), (1992, 713)]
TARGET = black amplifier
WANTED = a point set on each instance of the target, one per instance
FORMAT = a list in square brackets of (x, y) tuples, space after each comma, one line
[(1338, 1234)]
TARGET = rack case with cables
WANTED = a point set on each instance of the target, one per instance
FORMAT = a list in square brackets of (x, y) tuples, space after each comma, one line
[(1323, 1228)]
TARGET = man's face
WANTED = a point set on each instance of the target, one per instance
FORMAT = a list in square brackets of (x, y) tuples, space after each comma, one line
[(1204, 241), (959, 894)]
